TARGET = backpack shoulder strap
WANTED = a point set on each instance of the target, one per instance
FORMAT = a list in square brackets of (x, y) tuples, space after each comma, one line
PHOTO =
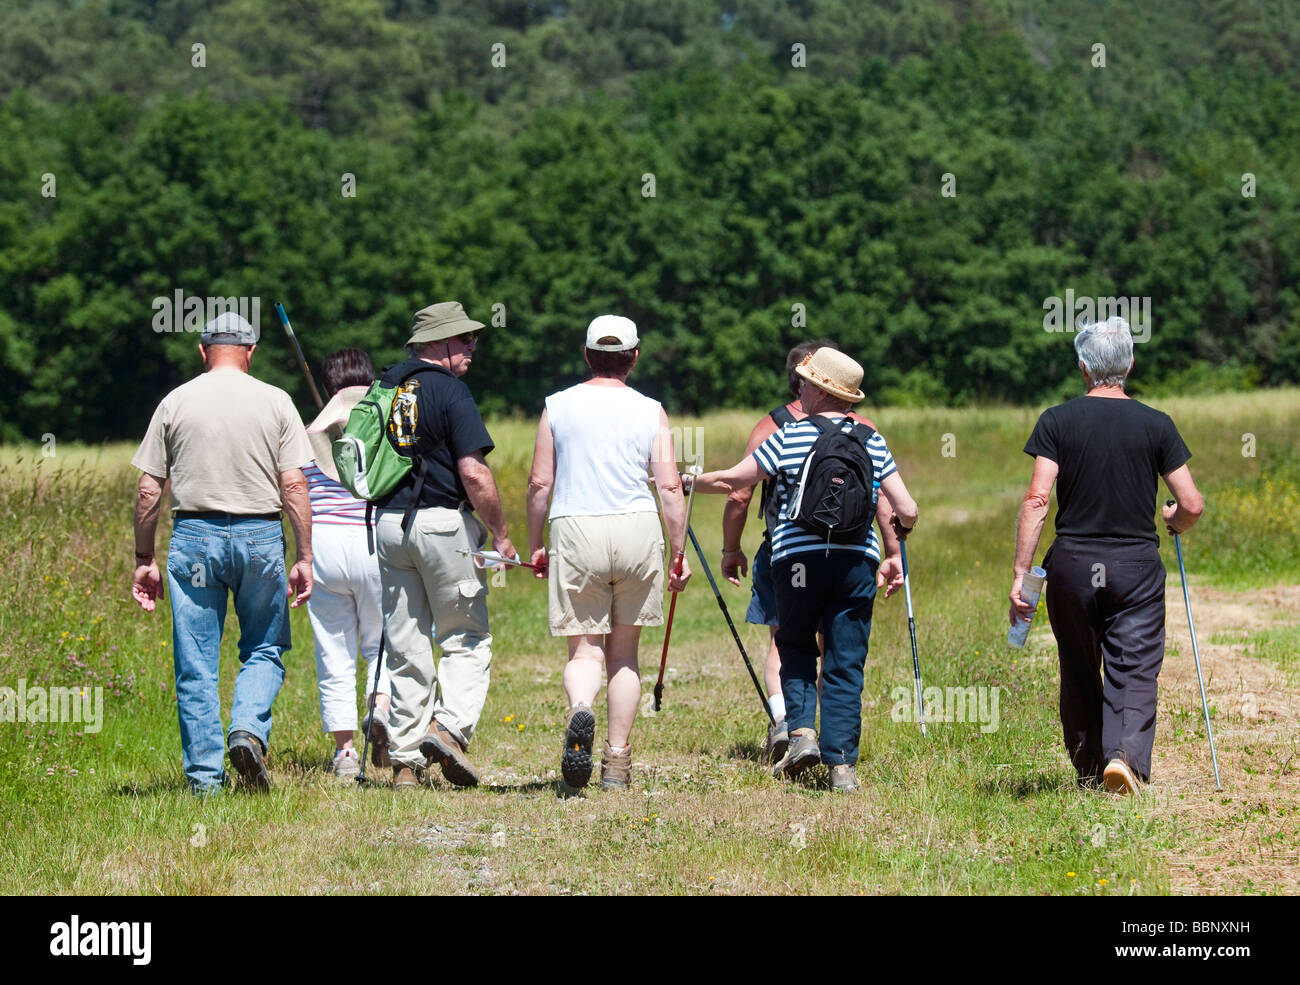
[(820, 423), (862, 432), (781, 416)]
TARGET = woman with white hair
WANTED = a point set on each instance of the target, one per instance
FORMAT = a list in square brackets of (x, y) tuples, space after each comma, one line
[(1105, 580)]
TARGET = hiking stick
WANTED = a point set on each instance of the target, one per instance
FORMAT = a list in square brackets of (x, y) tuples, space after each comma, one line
[(297, 351), (1196, 655), (731, 625), (672, 606), (911, 628)]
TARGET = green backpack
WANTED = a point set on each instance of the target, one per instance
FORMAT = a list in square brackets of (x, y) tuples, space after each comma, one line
[(368, 462)]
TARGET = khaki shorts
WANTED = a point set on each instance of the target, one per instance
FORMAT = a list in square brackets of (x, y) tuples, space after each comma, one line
[(605, 571)]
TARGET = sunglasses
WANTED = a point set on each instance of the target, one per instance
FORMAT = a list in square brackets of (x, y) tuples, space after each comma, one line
[(470, 338)]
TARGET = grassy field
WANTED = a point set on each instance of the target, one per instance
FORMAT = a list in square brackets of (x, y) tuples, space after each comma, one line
[(967, 810)]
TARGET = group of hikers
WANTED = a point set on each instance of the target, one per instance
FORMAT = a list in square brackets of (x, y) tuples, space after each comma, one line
[(605, 476)]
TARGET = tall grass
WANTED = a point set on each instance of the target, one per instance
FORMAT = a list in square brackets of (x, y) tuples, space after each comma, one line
[(963, 811)]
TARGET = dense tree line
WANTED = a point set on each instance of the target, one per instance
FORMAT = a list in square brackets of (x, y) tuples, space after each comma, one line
[(916, 188)]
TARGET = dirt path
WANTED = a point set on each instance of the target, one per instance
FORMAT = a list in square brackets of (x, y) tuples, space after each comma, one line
[(1245, 838)]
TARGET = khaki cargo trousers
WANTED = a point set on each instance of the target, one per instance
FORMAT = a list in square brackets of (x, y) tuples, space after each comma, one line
[(432, 593)]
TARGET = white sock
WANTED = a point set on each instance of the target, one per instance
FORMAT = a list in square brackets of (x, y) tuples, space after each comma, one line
[(618, 750), (777, 703)]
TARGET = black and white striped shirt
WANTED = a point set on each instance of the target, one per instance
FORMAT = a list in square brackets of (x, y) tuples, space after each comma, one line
[(782, 455)]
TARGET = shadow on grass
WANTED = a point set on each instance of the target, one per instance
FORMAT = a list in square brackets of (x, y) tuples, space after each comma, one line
[(1028, 785), (747, 749)]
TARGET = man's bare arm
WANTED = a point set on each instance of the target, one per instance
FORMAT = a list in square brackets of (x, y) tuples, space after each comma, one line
[(481, 488), (297, 504), (148, 504)]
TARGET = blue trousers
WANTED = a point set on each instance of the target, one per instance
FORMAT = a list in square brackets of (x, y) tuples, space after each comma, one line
[(833, 595), (207, 561)]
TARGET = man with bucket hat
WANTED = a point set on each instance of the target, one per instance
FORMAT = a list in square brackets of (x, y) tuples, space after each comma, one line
[(431, 589), (233, 448), (825, 580)]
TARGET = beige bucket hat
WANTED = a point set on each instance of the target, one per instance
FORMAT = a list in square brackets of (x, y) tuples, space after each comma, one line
[(444, 320), (832, 371)]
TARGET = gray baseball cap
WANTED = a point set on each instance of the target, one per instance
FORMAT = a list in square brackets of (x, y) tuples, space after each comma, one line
[(228, 328)]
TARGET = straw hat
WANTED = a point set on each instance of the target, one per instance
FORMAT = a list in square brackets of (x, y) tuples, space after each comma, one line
[(833, 372)]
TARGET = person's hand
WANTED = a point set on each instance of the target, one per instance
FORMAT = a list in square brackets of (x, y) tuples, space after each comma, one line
[(709, 482), (506, 549), (146, 585), (734, 566), (900, 531), (1167, 511), (1020, 611), (300, 584), (541, 563), (677, 581), (889, 575)]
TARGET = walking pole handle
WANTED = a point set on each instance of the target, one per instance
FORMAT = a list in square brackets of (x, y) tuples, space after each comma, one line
[(678, 560)]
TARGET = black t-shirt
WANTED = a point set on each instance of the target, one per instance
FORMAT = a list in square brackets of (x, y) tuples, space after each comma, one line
[(434, 416), (1110, 452)]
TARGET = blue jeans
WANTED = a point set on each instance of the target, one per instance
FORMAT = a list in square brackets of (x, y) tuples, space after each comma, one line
[(207, 559), (833, 595), (762, 601)]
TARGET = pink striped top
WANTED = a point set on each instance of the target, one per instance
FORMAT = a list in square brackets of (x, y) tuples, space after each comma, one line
[(331, 502)]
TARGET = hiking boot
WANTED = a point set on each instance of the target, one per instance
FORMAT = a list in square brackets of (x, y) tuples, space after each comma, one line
[(405, 777), (803, 753), (440, 746), (380, 737), (579, 733), (1119, 778), (246, 754), (346, 764), (844, 778), (615, 768), (778, 741)]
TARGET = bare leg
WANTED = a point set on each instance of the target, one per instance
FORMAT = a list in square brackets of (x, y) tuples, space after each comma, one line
[(342, 740), (772, 669), (623, 692), (582, 672)]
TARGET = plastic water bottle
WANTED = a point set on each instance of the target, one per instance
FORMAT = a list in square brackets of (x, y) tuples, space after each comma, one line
[(1031, 586)]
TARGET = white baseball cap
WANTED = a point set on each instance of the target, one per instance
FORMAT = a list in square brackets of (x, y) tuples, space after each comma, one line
[(612, 326)]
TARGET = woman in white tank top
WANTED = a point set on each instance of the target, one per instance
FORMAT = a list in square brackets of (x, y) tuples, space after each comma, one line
[(595, 443)]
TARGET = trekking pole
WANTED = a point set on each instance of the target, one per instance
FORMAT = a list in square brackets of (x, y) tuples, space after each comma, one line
[(672, 606), (1196, 655), (731, 625), (297, 351), (911, 628), (370, 723)]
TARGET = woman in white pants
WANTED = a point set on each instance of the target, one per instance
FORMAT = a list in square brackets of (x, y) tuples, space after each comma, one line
[(345, 604), (595, 442)]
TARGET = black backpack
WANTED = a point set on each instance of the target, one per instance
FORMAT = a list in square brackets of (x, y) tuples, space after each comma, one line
[(835, 494)]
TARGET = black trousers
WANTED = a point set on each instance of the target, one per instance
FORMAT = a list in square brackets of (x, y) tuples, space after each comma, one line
[(1106, 602)]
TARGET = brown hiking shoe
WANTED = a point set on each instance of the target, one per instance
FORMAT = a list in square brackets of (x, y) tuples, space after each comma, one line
[(440, 746), (405, 777), (802, 753), (615, 768), (844, 779)]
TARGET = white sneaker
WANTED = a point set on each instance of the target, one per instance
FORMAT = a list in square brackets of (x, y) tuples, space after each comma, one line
[(346, 764)]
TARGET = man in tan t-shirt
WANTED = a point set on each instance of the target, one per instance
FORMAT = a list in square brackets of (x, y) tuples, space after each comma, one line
[(233, 448)]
